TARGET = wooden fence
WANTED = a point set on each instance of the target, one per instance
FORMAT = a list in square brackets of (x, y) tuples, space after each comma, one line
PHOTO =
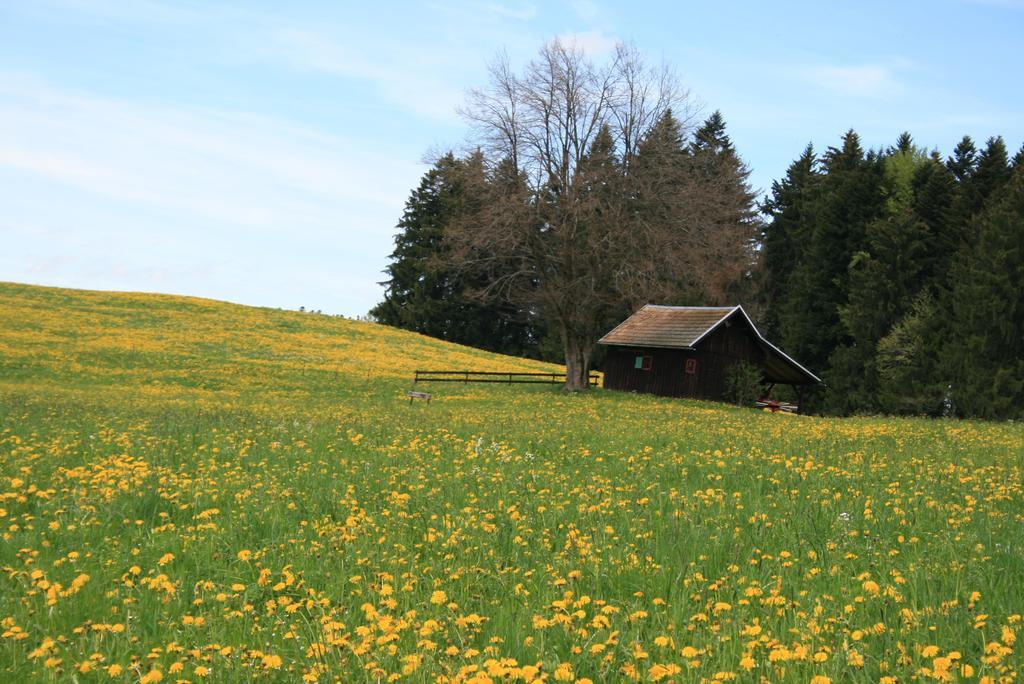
[(495, 376)]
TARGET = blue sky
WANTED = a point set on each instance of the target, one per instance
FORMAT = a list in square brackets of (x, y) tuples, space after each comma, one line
[(262, 152)]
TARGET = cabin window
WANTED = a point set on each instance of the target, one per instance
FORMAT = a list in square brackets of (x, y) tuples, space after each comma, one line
[(691, 366), (642, 363)]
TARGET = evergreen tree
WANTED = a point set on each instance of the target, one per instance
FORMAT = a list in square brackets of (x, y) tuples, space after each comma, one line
[(882, 278), (904, 143), (963, 164), (934, 190), (907, 362), (992, 172), (983, 357), (1018, 159), (711, 137), (847, 198), (785, 237), (733, 222), (964, 160), (895, 275), (427, 295)]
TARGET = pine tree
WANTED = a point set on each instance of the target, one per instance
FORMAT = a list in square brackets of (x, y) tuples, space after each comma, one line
[(423, 292), (934, 190), (415, 290), (964, 160), (907, 361), (992, 172), (661, 169), (897, 275), (883, 278), (982, 353), (904, 143), (711, 137), (1018, 159), (847, 198), (963, 164), (733, 222), (785, 238)]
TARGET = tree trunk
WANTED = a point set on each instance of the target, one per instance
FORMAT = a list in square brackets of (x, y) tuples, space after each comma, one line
[(577, 363)]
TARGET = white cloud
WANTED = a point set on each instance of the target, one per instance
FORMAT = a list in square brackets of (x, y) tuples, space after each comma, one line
[(593, 43), (588, 11), (219, 164), (147, 194), (403, 79), (861, 80)]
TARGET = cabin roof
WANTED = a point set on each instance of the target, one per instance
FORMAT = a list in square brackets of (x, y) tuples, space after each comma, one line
[(683, 327), (675, 327)]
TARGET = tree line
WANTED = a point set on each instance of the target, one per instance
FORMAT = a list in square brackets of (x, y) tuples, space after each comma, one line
[(900, 275), (895, 274)]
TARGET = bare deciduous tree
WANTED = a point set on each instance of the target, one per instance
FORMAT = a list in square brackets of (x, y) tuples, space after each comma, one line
[(586, 200)]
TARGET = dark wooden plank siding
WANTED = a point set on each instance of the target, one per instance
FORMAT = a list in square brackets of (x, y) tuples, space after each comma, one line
[(665, 377), (728, 344)]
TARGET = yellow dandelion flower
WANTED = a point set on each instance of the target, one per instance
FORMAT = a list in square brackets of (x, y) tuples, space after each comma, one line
[(151, 677)]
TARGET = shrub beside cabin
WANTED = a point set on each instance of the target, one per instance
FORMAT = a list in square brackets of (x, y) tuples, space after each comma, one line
[(687, 351)]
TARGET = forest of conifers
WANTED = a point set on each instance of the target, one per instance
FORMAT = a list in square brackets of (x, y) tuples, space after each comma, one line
[(896, 275)]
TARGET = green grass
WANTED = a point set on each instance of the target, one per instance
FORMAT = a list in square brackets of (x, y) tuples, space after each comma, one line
[(606, 536)]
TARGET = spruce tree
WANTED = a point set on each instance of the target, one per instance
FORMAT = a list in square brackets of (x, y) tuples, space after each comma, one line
[(983, 358), (883, 278), (847, 198), (733, 222), (1018, 159), (711, 137), (934, 190), (964, 159), (786, 234), (963, 164), (992, 172), (423, 292), (907, 362)]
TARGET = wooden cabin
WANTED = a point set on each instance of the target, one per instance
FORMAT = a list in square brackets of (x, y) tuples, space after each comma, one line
[(686, 351)]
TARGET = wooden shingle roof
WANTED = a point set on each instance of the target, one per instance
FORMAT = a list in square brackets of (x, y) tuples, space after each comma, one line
[(675, 327), (683, 327)]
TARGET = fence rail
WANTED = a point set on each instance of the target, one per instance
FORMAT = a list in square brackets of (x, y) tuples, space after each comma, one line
[(495, 376)]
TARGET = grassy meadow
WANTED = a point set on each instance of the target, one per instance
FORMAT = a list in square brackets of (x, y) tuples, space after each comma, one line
[(198, 491)]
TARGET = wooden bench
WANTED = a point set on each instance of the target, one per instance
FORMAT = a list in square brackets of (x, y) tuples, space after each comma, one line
[(417, 395)]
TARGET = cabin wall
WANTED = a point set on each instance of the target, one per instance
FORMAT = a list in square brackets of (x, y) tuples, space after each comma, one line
[(667, 376)]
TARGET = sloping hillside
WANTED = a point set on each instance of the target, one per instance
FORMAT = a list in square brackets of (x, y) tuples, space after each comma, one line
[(198, 491), (185, 346)]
